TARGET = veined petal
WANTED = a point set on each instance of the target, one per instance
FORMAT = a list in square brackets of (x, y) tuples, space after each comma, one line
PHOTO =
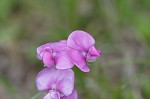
[(80, 40), (62, 61), (54, 79), (93, 54), (48, 59), (78, 59), (72, 96)]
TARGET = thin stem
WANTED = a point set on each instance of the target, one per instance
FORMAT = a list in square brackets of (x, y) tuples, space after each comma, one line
[(36, 95)]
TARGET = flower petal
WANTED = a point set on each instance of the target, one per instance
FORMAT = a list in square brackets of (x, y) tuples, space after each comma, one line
[(93, 54), (63, 41), (80, 40), (41, 49), (43, 79), (47, 96), (65, 81), (56, 47), (62, 61), (53, 94), (48, 59), (72, 96), (54, 79), (78, 59)]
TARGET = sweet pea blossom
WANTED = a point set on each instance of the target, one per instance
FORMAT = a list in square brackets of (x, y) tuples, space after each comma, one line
[(80, 49), (58, 83), (54, 54)]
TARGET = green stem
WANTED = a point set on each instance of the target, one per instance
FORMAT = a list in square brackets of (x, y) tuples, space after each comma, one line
[(36, 95)]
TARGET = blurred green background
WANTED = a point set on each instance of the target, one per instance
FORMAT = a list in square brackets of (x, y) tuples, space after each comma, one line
[(121, 29)]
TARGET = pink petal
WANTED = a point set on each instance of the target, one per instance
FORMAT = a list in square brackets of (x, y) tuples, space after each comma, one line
[(53, 94), (93, 54), (78, 59), (41, 49), (65, 81), (54, 79), (47, 96), (43, 79), (63, 41), (56, 47), (80, 40), (72, 96), (63, 61), (48, 59)]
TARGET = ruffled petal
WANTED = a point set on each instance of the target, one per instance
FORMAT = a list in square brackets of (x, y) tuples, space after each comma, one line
[(93, 54), (41, 49), (48, 59), (62, 61), (80, 40), (56, 47), (54, 79), (72, 96), (78, 59)]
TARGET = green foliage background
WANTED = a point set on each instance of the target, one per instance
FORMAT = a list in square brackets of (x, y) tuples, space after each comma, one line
[(121, 29)]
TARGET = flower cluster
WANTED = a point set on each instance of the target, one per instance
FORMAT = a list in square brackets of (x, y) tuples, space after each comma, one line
[(59, 57)]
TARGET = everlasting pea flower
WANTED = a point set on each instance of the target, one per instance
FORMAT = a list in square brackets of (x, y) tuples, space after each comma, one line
[(54, 54), (80, 48), (58, 83)]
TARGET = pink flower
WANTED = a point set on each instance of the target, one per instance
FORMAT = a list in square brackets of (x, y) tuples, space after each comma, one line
[(58, 83), (58, 79), (80, 49), (54, 54)]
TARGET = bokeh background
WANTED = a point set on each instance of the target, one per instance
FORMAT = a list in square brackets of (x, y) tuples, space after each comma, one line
[(121, 29)]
